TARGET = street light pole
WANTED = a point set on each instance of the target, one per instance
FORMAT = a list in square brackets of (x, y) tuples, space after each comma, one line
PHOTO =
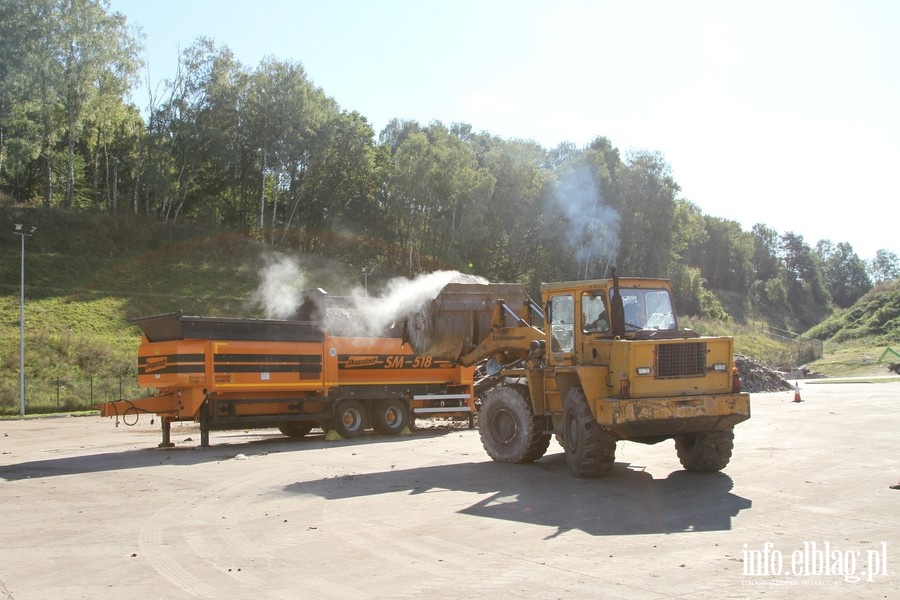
[(20, 230)]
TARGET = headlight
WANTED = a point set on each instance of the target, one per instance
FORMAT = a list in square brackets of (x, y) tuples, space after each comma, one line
[(721, 367), (644, 370)]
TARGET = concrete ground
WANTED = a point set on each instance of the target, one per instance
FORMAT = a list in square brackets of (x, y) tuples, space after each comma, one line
[(804, 510)]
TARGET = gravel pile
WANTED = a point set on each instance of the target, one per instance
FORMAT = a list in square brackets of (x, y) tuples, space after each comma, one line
[(757, 377)]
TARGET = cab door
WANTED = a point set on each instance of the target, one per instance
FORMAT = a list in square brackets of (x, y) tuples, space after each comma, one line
[(561, 329)]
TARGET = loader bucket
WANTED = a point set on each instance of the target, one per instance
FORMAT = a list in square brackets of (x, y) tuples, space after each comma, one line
[(460, 317)]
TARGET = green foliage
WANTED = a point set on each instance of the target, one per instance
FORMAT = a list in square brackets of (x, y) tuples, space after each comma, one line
[(884, 267), (750, 339), (692, 297), (845, 274), (854, 358), (874, 318), (67, 68)]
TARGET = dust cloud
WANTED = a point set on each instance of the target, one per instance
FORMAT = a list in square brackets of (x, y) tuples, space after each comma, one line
[(281, 286), (286, 292)]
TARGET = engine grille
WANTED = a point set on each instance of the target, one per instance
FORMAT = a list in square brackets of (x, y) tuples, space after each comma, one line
[(681, 360)]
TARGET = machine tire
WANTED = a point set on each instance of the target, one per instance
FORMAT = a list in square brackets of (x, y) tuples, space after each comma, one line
[(349, 419), (590, 449), (296, 429), (509, 430), (706, 451), (390, 416)]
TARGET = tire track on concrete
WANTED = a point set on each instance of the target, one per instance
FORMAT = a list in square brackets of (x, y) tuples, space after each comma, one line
[(205, 550), (173, 533), (163, 560)]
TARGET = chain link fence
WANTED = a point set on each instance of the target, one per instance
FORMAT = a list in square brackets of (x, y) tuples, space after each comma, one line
[(67, 394)]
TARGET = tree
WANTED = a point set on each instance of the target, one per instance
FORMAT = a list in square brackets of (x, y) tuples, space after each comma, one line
[(99, 65), (690, 239), (692, 297), (844, 272), (727, 262), (434, 182), (884, 267), (72, 60), (340, 183), (290, 123), (765, 261), (808, 299), (503, 242), (647, 210)]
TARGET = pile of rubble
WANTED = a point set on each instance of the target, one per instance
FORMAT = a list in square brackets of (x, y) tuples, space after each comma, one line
[(757, 377)]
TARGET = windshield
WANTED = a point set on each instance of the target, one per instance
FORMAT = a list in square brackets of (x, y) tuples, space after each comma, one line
[(647, 309)]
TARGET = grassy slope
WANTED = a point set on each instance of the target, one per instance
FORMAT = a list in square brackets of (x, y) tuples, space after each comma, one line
[(87, 275), (858, 337)]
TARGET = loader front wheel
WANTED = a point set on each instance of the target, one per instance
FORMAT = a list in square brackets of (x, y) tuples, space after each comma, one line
[(590, 449), (510, 432), (706, 451)]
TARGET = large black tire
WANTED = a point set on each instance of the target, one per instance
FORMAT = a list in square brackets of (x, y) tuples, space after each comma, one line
[(390, 416), (509, 430), (296, 429), (706, 451), (349, 419), (590, 449)]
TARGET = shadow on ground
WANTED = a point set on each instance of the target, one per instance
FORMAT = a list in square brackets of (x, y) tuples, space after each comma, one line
[(226, 445), (630, 501)]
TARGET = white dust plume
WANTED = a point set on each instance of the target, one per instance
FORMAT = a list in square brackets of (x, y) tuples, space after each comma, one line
[(280, 289)]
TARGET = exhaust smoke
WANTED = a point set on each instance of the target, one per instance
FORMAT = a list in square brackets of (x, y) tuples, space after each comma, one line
[(594, 225)]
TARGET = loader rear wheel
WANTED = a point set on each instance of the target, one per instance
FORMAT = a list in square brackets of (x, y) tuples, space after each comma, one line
[(295, 429), (510, 432), (349, 419), (390, 416), (706, 451), (590, 449)]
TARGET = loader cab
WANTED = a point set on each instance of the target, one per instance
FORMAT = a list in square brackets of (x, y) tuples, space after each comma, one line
[(585, 311), (575, 314)]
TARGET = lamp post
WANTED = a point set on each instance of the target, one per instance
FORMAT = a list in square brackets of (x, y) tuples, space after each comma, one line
[(23, 232)]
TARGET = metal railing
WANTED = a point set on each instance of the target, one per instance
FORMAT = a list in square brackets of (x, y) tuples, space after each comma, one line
[(804, 349), (68, 394)]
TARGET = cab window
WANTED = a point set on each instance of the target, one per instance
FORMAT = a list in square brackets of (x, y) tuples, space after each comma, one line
[(562, 323), (594, 313)]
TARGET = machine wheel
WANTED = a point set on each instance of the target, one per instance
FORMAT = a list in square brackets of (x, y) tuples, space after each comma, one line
[(706, 451), (296, 429), (590, 449), (390, 416), (349, 419), (509, 430)]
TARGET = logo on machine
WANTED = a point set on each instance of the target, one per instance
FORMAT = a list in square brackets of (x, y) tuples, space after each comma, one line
[(156, 364), (391, 361), (361, 361)]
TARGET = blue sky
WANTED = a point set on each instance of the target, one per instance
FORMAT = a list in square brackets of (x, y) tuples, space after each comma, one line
[(778, 112)]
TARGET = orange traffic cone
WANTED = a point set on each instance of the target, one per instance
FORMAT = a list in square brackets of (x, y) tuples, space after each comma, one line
[(797, 393)]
